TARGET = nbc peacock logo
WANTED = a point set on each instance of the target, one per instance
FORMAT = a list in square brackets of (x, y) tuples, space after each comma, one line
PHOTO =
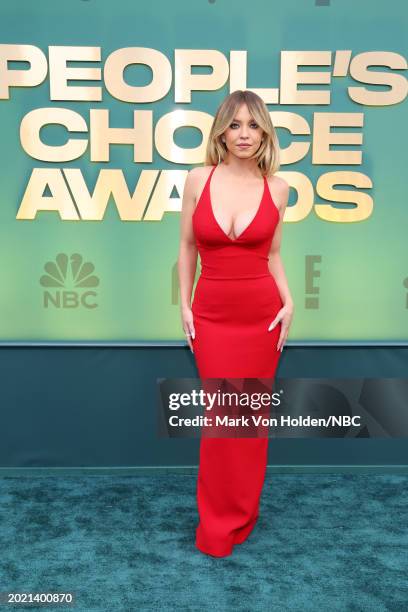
[(68, 281)]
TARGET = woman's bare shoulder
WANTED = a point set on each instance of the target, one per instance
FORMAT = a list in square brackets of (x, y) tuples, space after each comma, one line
[(278, 182), (279, 189), (197, 177), (199, 172)]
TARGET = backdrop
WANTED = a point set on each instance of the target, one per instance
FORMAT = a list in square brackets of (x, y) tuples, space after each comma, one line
[(106, 106)]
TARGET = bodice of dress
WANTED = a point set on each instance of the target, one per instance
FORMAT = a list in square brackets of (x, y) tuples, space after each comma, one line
[(247, 255)]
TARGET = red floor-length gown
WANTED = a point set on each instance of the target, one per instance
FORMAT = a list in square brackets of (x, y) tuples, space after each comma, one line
[(235, 300)]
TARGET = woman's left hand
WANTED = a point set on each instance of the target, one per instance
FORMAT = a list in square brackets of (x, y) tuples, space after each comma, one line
[(285, 316)]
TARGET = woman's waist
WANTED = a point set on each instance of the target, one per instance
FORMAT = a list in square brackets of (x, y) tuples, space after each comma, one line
[(237, 277), (234, 268), (242, 282), (256, 294)]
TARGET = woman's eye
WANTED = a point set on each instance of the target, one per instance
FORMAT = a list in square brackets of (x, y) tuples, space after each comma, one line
[(255, 125)]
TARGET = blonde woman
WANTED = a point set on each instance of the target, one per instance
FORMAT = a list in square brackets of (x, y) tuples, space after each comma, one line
[(232, 215)]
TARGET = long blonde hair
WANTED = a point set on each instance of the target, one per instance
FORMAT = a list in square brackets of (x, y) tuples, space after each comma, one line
[(268, 155)]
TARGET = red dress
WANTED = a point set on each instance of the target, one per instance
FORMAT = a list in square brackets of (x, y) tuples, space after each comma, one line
[(235, 300)]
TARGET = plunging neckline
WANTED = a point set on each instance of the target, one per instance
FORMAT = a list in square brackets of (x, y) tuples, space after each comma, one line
[(252, 220)]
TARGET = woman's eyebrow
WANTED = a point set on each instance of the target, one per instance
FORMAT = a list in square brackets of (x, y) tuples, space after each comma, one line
[(238, 121)]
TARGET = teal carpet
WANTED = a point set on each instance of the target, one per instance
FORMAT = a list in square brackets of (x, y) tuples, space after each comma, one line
[(322, 543)]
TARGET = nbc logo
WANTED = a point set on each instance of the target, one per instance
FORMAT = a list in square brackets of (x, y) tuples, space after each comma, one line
[(68, 280)]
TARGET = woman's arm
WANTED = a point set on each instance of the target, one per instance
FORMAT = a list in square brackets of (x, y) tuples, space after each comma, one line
[(276, 268), (187, 258), (275, 262)]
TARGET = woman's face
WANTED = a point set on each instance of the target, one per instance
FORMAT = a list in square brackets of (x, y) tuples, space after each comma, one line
[(243, 130)]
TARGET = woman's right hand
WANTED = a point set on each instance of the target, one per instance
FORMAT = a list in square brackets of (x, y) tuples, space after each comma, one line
[(188, 325)]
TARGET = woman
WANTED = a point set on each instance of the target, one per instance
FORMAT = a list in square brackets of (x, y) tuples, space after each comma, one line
[(232, 214)]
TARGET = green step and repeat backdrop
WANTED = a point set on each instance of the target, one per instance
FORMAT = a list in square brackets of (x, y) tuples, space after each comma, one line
[(105, 106)]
